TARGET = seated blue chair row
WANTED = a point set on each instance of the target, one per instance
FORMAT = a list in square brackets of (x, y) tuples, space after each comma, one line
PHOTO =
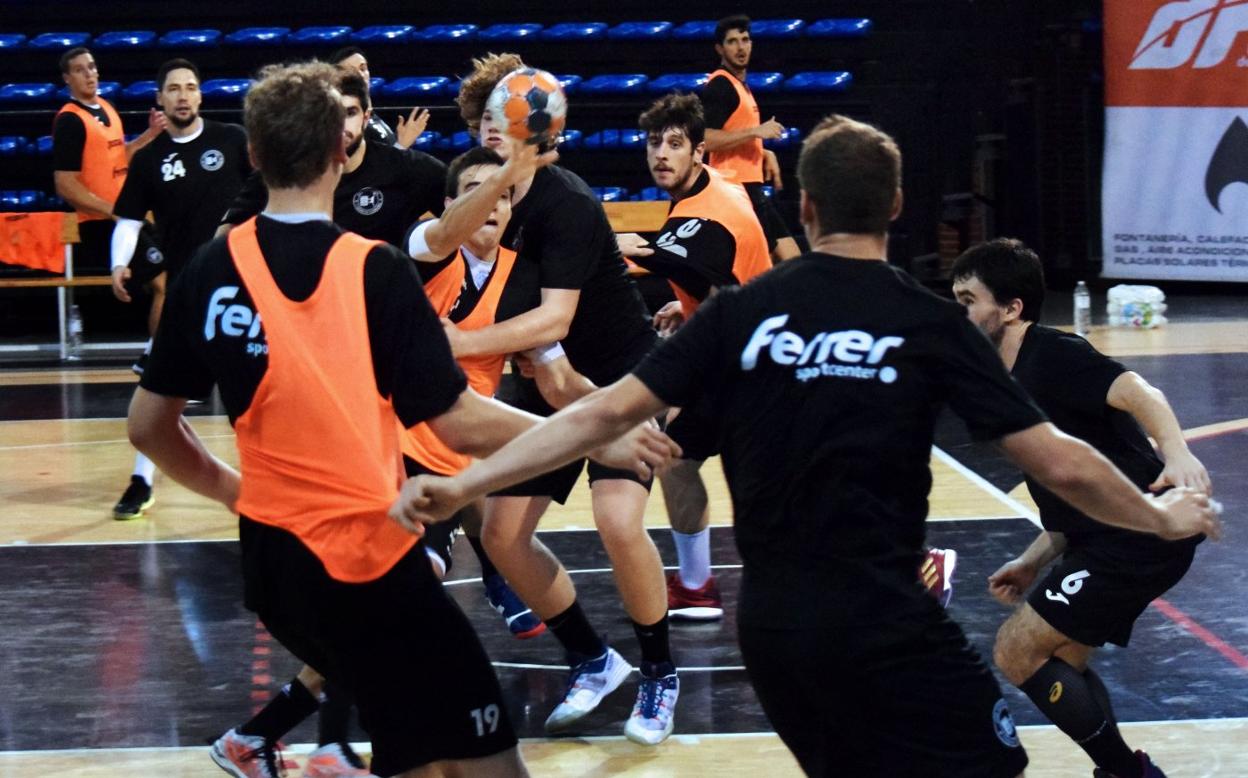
[(650, 194), (610, 194), (28, 200), (106, 89), (258, 36)]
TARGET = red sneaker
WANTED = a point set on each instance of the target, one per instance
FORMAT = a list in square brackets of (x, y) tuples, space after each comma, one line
[(701, 604), (936, 574)]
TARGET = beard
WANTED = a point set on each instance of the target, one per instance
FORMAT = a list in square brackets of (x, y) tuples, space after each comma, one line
[(355, 145), (182, 124)]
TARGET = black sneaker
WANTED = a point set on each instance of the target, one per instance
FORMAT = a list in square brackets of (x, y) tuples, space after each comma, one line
[(136, 499), (139, 365)]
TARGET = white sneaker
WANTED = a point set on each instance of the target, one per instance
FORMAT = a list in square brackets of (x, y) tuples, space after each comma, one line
[(654, 713), (331, 761), (588, 684), (246, 756)]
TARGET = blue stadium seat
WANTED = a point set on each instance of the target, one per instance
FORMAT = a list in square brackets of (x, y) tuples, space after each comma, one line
[(792, 137), (839, 28), (818, 81), (458, 143), (11, 94), (776, 28), (632, 139), (575, 31), (10, 200), (30, 200), (140, 92), (43, 146), (611, 194), (764, 81), (59, 40), (653, 193), (446, 33), (570, 82), (225, 89), (509, 32), (320, 36), (258, 36), (127, 39), (190, 39), (11, 40), (106, 89), (695, 31), (427, 141), (640, 31), (614, 84), (416, 86), (570, 139), (383, 33), (13, 146), (677, 82), (375, 83), (603, 139)]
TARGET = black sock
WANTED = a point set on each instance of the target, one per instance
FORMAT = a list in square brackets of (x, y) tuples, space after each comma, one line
[(487, 567), (293, 704), (573, 630), (1063, 695), (333, 723), (1100, 694), (655, 647)]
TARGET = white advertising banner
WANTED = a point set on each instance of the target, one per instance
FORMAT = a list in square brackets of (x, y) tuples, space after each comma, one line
[(1174, 195)]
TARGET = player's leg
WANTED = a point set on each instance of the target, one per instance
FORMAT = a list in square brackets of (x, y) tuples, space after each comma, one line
[(138, 496), (520, 619), (692, 592), (619, 508)]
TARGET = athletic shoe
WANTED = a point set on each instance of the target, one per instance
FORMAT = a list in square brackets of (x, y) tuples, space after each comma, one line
[(589, 682), (522, 622), (335, 760), (136, 499), (654, 713), (139, 365), (701, 604), (247, 756), (1147, 769), (936, 574)]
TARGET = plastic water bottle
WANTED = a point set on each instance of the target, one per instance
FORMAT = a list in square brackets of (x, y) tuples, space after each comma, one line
[(1083, 309), (74, 350)]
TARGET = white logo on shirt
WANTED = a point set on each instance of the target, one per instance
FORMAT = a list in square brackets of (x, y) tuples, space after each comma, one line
[(851, 348), (233, 320), (668, 239), (368, 201), (171, 167), (211, 160)]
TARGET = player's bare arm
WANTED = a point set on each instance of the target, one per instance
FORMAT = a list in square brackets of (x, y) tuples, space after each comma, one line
[(1147, 404), (156, 428)]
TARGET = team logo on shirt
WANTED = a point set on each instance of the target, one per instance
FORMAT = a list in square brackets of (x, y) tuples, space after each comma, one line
[(211, 160), (233, 320), (685, 231), (368, 201), (844, 354), (154, 255), (1003, 724)]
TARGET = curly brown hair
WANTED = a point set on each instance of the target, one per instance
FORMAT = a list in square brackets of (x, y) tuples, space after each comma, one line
[(294, 118), (476, 87)]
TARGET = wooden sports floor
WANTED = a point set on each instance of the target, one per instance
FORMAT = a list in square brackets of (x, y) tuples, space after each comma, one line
[(124, 647)]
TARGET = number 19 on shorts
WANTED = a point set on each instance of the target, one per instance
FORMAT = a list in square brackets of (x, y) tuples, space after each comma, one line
[(485, 719)]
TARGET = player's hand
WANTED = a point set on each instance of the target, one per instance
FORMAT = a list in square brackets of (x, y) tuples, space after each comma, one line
[(1183, 469), (1188, 513), (771, 170), (424, 500), (642, 450), (1011, 581), (525, 159), (409, 129), (769, 130), (454, 335), (120, 276), (669, 318), (633, 245), (156, 121)]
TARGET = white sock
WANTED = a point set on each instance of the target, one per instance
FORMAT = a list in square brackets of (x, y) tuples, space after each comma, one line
[(144, 468), (694, 553)]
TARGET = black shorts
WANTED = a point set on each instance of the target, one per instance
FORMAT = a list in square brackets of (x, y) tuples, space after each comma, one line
[(1094, 595), (94, 250), (522, 393), (148, 261), (372, 639), (773, 225), (438, 538), (695, 430), (854, 701)]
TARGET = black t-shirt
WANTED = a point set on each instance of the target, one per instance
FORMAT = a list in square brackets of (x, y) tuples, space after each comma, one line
[(389, 192), (694, 253), (412, 360), (187, 186), (719, 100), (69, 136), (1070, 380), (560, 226), (825, 377)]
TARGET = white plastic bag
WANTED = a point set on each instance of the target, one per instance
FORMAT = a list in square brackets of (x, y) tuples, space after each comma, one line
[(1142, 307)]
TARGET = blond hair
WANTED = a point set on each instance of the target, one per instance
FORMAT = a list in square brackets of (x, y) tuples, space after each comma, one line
[(476, 87)]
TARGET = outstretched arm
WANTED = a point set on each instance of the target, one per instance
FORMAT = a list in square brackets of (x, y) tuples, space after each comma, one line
[(1147, 404)]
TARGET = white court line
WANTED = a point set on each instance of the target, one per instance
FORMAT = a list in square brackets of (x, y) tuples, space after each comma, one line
[(458, 581), (111, 441), (564, 668), (982, 483), (300, 749)]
